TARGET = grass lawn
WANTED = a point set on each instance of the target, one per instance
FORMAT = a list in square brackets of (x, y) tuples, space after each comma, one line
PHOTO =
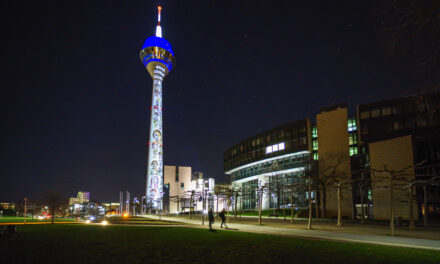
[(138, 220), (20, 219), (67, 243)]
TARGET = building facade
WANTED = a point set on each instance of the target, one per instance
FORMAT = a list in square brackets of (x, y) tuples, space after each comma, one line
[(413, 122), (350, 152), (262, 163), (81, 198), (185, 191)]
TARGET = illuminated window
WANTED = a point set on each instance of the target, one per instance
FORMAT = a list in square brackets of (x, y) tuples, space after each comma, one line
[(274, 148), (353, 151), (268, 149), (352, 124), (315, 156), (375, 113), (314, 132), (352, 139), (315, 144), (365, 114), (386, 111)]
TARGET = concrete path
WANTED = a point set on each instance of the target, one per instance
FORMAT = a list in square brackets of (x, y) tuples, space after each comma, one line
[(320, 234)]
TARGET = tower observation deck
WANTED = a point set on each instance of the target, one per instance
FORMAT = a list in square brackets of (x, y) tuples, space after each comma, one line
[(158, 58)]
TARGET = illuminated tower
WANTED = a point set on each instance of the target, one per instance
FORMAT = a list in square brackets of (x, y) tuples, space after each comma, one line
[(158, 58)]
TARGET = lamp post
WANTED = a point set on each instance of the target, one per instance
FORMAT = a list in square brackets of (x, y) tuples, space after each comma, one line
[(142, 205), (203, 203), (25, 209)]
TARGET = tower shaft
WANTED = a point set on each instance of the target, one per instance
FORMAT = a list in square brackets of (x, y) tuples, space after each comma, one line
[(155, 148), (158, 58)]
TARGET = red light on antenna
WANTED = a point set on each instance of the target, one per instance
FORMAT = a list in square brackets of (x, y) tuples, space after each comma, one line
[(159, 8)]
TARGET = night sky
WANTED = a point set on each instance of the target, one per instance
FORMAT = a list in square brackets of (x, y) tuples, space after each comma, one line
[(75, 97)]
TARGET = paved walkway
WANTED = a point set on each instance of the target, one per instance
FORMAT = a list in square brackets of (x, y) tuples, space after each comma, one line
[(320, 234)]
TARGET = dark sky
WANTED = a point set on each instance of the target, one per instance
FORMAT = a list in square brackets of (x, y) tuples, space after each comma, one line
[(75, 97)]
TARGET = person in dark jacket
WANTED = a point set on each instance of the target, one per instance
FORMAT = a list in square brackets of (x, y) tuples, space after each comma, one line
[(223, 217), (210, 218)]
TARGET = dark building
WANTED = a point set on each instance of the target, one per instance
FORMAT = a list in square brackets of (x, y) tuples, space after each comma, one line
[(418, 118)]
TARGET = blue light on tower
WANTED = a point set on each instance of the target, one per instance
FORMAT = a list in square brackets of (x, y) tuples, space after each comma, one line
[(158, 57)]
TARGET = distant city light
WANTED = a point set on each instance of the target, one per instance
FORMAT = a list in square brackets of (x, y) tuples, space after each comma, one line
[(104, 222), (87, 221)]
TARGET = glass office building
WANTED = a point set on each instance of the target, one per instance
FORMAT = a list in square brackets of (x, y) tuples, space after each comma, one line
[(272, 158)]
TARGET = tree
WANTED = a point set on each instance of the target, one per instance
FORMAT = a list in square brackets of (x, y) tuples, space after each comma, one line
[(362, 184), (329, 167), (292, 187), (425, 176), (263, 188), (410, 33), (333, 176), (55, 202), (223, 192), (311, 175), (392, 179), (235, 193)]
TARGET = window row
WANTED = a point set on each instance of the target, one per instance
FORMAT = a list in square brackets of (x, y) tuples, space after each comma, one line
[(275, 148), (395, 125), (388, 110)]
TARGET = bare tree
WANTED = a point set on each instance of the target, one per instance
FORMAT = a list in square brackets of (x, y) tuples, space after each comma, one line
[(262, 189), (362, 183), (236, 193), (310, 183), (392, 179), (410, 34), (329, 168), (425, 176), (333, 176), (55, 202)]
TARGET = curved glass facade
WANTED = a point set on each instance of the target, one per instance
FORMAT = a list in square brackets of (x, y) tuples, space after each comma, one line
[(294, 137), (277, 156)]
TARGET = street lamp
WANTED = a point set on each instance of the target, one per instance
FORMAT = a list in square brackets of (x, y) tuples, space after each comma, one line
[(142, 205), (204, 207), (25, 209)]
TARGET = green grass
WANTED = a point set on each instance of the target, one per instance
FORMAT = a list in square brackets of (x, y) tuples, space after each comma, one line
[(138, 220), (66, 243), (20, 219)]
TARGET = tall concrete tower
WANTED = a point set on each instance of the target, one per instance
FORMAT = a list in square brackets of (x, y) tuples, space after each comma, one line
[(158, 58)]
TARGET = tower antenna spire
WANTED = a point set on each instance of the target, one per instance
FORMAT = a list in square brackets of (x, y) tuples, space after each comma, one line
[(158, 27)]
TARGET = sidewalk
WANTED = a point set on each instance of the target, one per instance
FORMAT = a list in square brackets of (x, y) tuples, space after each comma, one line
[(320, 234)]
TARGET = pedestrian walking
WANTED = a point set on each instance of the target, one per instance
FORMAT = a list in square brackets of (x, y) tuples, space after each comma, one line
[(210, 218), (223, 217)]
